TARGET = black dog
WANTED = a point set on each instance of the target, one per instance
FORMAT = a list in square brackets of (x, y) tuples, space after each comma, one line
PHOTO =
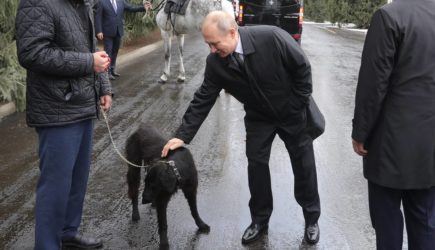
[(163, 179)]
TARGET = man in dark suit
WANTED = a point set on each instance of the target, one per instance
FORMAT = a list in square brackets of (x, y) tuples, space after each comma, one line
[(267, 71), (394, 122), (109, 26)]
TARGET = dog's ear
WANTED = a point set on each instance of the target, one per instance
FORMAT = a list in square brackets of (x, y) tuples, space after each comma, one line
[(168, 180)]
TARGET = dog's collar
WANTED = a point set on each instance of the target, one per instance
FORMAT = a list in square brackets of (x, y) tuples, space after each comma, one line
[(175, 170), (171, 164)]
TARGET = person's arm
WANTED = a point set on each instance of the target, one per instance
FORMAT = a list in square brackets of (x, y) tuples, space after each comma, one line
[(104, 83), (36, 45), (199, 107), (377, 62), (133, 8), (297, 64)]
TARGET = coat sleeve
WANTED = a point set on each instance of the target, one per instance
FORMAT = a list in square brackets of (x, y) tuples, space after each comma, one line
[(203, 101), (36, 33), (377, 63), (104, 83), (133, 8), (297, 64), (99, 17)]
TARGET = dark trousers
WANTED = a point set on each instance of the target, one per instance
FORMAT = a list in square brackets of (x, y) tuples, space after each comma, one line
[(387, 218), (259, 138), (64, 154), (111, 46)]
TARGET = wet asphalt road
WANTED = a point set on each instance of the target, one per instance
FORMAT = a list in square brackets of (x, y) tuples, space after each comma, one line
[(219, 152)]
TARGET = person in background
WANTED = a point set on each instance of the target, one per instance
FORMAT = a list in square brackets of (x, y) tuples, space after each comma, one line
[(66, 85), (274, 84), (394, 123), (109, 26)]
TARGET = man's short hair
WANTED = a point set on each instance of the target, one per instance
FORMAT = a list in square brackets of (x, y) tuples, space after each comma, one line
[(222, 20)]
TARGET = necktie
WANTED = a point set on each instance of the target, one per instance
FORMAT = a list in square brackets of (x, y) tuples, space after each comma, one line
[(238, 59), (114, 5)]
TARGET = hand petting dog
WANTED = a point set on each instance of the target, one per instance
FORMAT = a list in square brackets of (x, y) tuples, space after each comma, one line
[(172, 144)]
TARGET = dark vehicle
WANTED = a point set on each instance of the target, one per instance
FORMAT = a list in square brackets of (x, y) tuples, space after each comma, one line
[(286, 14)]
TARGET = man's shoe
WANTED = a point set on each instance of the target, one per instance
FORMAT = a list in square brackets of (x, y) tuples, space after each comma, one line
[(253, 233), (111, 77), (83, 243), (312, 234), (114, 73)]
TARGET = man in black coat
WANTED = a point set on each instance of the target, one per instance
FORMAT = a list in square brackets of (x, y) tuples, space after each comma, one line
[(109, 26), (267, 71), (66, 84), (394, 122)]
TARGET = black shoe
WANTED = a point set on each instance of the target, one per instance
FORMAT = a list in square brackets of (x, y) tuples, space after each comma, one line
[(114, 73), (111, 77), (312, 234), (83, 243), (253, 233)]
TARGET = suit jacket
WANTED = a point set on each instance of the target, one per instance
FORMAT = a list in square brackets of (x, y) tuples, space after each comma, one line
[(395, 97), (108, 21), (274, 86)]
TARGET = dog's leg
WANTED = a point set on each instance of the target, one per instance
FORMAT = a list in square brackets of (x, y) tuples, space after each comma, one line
[(190, 194), (133, 180), (161, 205)]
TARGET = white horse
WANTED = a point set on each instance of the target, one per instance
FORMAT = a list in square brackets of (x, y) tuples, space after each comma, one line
[(179, 25)]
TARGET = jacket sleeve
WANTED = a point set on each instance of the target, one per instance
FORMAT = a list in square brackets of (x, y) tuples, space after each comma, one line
[(297, 63), (377, 63), (199, 107), (133, 8), (99, 17), (104, 83), (36, 45)]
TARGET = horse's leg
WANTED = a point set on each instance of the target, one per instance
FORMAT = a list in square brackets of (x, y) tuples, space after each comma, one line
[(166, 35), (182, 74)]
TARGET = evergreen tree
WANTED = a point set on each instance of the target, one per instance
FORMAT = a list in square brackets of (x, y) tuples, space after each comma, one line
[(12, 75), (358, 12)]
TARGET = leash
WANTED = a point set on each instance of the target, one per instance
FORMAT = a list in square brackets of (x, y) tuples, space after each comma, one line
[(116, 148), (170, 163), (147, 167)]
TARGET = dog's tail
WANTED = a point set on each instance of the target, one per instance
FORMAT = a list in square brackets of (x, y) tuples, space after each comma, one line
[(133, 155)]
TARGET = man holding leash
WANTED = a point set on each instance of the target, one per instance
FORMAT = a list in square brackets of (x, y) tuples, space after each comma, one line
[(66, 84), (274, 84)]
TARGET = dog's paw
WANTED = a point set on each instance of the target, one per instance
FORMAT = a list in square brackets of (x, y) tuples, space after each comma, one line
[(204, 228)]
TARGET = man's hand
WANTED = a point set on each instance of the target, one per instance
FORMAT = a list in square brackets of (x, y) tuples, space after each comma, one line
[(172, 144), (101, 61), (100, 36), (106, 102), (147, 5), (358, 147)]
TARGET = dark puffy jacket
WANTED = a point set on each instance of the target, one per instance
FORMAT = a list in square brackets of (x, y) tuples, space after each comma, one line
[(52, 45)]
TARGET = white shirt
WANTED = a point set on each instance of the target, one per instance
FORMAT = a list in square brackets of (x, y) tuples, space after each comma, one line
[(239, 47)]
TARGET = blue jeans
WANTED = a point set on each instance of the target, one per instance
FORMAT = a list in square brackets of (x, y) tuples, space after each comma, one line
[(64, 153)]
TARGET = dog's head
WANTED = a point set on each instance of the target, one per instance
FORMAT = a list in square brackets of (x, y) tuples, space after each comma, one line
[(160, 180)]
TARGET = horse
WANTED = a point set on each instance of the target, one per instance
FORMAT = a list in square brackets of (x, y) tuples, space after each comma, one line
[(179, 25)]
